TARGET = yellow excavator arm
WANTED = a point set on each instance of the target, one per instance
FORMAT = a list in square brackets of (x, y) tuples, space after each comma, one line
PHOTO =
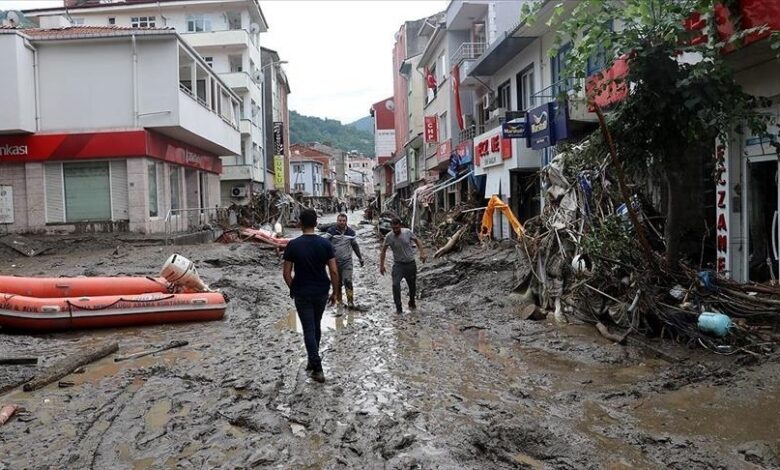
[(487, 218)]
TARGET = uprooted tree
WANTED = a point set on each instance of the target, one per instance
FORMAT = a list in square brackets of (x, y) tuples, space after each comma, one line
[(683, 93)]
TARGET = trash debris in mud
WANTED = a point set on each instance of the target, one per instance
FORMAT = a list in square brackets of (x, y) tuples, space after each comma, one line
[(582, 259), (6, 412), (65, 366), (171, 345), (24, 245)]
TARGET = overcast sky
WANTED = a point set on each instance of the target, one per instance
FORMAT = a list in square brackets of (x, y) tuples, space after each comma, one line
[(339, 52)]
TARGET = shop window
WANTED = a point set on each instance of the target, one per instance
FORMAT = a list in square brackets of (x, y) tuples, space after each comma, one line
[(154, 204), (175, 179), (87, 191), (143, 22)]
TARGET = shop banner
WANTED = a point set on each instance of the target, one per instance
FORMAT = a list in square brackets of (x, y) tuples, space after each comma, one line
[(541, 131), (722, 210), (279, 172), (431, 130), (514, 125), (444, 151), (491, 149), (279, 138)]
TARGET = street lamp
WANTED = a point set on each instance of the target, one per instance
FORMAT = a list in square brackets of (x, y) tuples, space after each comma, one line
[(278, 62)]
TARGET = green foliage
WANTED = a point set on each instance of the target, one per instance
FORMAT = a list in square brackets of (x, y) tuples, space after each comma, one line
[(305, 129)]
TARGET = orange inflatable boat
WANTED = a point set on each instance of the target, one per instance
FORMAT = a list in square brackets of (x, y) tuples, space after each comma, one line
[(107, 311), (53, 287)]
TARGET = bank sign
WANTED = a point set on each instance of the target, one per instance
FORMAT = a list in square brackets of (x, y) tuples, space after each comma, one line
[(491, 149), (13, 150)]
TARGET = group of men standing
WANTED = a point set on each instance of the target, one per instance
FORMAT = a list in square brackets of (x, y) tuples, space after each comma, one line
[(314, 264)]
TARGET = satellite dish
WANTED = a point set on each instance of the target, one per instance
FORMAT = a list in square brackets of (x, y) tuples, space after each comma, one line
[(390, 105), (254, 28), (13, 18)]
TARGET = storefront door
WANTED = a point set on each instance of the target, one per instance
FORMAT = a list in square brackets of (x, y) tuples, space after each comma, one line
[(763, 226)]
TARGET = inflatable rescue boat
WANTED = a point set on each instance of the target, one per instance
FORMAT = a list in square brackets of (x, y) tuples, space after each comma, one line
[(49, 304)]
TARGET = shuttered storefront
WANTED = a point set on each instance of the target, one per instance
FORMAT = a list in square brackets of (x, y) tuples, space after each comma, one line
[(89, 191)]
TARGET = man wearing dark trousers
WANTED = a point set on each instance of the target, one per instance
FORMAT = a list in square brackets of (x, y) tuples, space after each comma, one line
[(344, 242), (404, 266), (308, 256)]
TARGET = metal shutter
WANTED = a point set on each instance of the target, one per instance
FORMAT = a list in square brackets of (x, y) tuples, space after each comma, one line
[(87, 191), (119, 192), (55, 196)]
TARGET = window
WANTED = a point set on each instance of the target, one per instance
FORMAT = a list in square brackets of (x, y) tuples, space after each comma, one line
[(209, 61), (478, 32), (77, 21), (87, 191), (154, 204), (525, 89), (112, 20), (142, 22), (175, 178), (444, 128), (300, 186), (297, 168), (198, 23), (442, 66), (505, 95), (560, 83)]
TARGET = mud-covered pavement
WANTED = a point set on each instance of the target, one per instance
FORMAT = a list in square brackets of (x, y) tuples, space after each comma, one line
[(460, 383)]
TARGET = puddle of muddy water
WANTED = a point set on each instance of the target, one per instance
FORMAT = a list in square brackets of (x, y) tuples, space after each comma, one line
[(746, 415), (330, 322)]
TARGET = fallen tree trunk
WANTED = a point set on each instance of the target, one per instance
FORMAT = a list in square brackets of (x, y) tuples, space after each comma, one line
[(452, 242), (66, 366)]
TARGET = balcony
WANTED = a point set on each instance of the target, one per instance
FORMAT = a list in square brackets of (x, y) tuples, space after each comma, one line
[(241, 173), (468, 51), (229, 38), (240, 82), (461, 13), (247, 127)]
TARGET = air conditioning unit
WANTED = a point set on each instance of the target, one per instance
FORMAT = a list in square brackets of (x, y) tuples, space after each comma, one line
[(498, 113), (238, 191)]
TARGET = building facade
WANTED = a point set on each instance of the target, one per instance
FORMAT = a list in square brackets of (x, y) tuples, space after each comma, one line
[(130, 155), (226, 34), (306, 177), (383, 113), (277, 121)]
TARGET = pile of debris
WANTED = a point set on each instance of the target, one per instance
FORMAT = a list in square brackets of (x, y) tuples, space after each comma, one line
[(585, 258), (267, 208)]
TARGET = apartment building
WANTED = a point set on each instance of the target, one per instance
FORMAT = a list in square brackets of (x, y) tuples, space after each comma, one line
[(306, 177), (383, 113), (226, 34), (139, 151), (357, 164), (277, 120)]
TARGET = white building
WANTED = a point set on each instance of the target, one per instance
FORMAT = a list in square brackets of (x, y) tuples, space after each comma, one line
[(102, 129), (363, 166), (306, 177), (226, 33)]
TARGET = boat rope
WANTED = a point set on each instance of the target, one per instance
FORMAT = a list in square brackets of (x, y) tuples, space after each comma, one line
[(168, 287), (121, 299)]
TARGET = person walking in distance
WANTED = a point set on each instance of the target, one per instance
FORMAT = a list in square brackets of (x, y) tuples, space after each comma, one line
[(400, 240), (344, 242), (305, 262)]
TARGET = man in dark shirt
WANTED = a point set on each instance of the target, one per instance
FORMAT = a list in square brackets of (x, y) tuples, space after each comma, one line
[(308, 255)]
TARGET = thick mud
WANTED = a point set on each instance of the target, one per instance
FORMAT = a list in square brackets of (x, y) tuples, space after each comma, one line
[(461, 382)]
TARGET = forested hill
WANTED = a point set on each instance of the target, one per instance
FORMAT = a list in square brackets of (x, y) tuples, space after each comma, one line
[(305, 129)]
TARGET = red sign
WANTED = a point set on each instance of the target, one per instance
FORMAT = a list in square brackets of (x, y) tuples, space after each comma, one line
[(99, 145), (491, 149), (444, 151), (608, 87), (431, 130)]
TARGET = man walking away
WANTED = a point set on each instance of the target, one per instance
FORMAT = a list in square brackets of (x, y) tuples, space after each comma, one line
[(404, 267), (344, 242), (307, 256)]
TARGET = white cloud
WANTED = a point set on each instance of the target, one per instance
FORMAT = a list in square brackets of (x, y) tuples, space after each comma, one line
[(339, 52)]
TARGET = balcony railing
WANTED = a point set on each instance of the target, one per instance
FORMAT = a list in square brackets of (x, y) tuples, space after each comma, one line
[(468, 51)]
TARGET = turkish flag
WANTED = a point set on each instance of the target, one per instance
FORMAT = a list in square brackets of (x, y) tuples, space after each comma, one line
[(430, 80), (456, 95)]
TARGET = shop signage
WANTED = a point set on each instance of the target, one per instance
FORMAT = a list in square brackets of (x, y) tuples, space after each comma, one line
[(444, 151), (431, 130), (279, 138), (539, 123), (401, 171), (6, 204), (490, 149), (722, 210), (13, 150), (279, 171), (514, 125)]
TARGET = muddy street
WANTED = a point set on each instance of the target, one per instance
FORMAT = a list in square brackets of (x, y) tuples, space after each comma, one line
[(462, 382)]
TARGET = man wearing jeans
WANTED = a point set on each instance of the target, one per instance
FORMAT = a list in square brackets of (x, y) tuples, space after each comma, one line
[(307, 256), (404, 267)]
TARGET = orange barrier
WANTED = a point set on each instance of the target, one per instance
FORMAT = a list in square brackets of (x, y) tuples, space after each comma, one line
[(53, 287), (48, 314)]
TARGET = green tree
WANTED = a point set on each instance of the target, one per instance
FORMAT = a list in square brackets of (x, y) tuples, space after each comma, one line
[(683, 91)]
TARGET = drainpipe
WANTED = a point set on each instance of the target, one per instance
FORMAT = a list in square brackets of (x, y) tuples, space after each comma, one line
[(36, 84), (135, 83)]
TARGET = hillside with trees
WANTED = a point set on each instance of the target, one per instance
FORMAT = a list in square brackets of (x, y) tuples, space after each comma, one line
[(304, 129)]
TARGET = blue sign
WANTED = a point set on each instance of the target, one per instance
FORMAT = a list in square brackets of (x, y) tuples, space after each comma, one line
[(539, 122), (547, 125), (514, 125)]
